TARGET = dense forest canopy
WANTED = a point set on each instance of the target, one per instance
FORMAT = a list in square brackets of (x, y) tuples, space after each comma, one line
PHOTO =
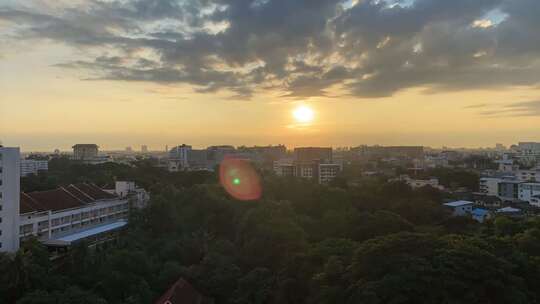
[(374, 242)]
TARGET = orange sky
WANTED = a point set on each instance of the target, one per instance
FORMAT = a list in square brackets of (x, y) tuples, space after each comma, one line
[(44, 107)]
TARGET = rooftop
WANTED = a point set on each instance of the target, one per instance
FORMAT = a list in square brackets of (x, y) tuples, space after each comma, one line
[(72, 196), (180, 292), (458, 203), (68, 239), (509, 210)]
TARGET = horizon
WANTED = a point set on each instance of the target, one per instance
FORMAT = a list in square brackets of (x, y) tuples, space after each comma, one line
[(325, 73)]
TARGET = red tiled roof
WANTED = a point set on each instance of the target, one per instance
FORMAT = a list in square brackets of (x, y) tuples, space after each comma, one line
[(79, 194), (181, 293), (54, 200), (94, 191), (72, 196), (28, 204)]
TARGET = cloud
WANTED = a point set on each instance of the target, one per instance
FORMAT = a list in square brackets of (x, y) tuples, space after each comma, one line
[(525, 108), (300, 48), (477, 106)]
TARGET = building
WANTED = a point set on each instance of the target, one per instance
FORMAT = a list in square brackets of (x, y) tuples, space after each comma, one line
[(419, 183), (480, 215), (32, 166), (460, 208), (178, 158), (309, 163), (181, 292), (531, 147), (435, 161), (9, 198), (62, 216), (284, 167), (266, 154), (508, 190), (138, 197), (528, 175), (144, 149), (216, 154), (510, 211), (310, 154), (413, 152), (490, 185), (184, 157), (327, 172), (528, 192), (507, 165), (85, 152), (55, 214), (487, 201)]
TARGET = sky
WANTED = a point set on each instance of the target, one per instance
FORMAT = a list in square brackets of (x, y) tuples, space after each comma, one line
[(461, 73)]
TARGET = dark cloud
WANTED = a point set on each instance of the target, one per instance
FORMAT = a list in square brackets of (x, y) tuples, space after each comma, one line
[(301, 47)]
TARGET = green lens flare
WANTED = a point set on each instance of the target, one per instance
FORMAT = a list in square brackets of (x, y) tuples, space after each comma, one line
[(236, 181)]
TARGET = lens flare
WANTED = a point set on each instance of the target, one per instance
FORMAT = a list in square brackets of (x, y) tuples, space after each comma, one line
[(240, 179)]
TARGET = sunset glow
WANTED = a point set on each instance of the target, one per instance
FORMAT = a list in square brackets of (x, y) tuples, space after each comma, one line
[(303, 114)]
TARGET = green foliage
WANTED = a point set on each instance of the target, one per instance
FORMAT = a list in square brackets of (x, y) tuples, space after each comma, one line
[(302, 243)]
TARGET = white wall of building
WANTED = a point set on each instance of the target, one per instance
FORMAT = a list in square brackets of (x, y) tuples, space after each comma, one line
[(47, 225), (528, 175), (490, 185), (527, 191), (9, 198)]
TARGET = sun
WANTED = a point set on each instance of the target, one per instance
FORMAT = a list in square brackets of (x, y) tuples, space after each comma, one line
[(303, 114)]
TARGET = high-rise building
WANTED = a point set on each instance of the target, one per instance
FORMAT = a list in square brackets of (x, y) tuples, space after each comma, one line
[(144, 149), (178, 158), (85, 151), (9, 198)]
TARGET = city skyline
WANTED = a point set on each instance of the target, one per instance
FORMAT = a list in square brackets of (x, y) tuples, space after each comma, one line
[(125, 73)]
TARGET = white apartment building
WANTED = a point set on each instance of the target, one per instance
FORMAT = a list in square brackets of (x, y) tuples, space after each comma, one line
[(32, 166), (490, 185), (529, 192), (9, 198)]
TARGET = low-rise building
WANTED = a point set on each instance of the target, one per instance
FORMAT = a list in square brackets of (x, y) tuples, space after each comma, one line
[(460, 208), (419, 183), (33, 166), (510, 211), (480, 215)]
